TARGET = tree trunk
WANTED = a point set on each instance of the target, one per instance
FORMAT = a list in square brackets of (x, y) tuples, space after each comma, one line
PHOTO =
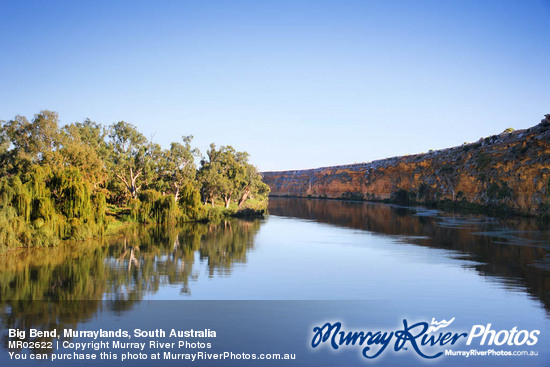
[(177, 193), (244, 196), (131, 185), (133, 189)]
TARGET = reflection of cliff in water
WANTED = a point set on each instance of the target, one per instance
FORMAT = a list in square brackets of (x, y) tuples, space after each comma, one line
[(60, 287), (514, 250)]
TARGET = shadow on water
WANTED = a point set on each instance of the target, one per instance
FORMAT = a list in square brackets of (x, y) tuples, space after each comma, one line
[(514, 251)]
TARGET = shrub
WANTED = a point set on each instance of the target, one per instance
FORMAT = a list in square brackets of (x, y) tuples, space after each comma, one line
[(483, 160), (190, 201)]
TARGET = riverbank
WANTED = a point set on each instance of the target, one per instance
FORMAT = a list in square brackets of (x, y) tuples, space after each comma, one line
[(508, 172), (117, 220)]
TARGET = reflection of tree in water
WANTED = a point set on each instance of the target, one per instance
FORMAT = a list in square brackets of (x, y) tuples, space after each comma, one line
[(51, 288), (514, 250), (61, 287), (146, 258), (224, 245), (153, 257)]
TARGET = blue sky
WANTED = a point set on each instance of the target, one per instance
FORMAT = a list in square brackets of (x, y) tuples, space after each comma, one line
[(297, 84)]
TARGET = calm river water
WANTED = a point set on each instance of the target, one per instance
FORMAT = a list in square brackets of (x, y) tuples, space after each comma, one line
[(367, 265)]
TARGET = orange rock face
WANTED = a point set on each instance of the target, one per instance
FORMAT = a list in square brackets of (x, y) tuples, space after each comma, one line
[(510, 170)]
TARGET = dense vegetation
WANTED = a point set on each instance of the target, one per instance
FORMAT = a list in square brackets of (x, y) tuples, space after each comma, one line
[(70, 182)]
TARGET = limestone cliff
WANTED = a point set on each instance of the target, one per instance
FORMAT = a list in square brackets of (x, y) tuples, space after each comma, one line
[(510, 170)]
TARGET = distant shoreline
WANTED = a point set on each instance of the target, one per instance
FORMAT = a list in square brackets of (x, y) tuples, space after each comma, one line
[(506, 173)]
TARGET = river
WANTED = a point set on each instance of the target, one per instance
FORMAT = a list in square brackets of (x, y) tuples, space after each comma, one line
[(368, 265)]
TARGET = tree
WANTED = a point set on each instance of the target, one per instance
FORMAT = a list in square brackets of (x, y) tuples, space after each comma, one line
[(190, 200), (55, 181), (129, 156), (211, 181), (228, 174), (35, 142), (177, 167), (84, 148), (218, 173), (252, 184)]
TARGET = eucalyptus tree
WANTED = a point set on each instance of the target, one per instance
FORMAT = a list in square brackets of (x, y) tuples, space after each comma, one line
[(35, 142), (130, 156), (216, 173), (55, 181), (226, 173), (84, 147), (251, 185), (211, 181), (177, 166)]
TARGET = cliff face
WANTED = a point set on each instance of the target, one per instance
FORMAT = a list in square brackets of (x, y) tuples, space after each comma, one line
[(510, 170)]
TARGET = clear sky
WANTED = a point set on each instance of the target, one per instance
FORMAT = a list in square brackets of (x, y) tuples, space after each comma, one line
[(297, 84)]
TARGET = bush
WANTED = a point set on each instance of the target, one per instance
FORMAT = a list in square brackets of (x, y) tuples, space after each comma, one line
[(153, 207), (483, 160), (40, 207), (190, 201), (499, 191)]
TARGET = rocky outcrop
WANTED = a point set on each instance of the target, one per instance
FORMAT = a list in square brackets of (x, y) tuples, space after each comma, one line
[(510, 171)]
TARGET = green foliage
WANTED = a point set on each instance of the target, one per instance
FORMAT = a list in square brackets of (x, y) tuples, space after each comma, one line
[(143, 209), (32, 142), (483, 160), (13, 193), (130, 159), (13, 228), (190, 201), (72, 182), (72, 194), (84, 148), (215, 214), (176, 167), (227, 175), (153, 207), (499, 191), (99, 206), (44, 207)]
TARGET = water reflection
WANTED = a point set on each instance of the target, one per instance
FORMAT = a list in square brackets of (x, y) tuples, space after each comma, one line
[(515, 250), (148, 258), (60, 287)]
